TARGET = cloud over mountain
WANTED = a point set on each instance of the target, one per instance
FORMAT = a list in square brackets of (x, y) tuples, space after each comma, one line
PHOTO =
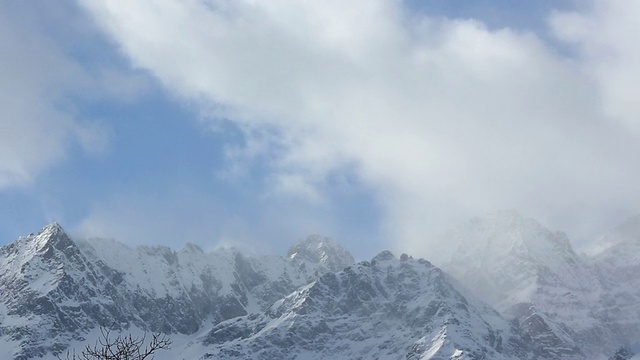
[(443, 118)]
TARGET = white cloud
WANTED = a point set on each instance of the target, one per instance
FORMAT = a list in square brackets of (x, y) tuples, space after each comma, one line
[(178, 216), (36, 126), (182, 215), (444, 118), (606, 34)]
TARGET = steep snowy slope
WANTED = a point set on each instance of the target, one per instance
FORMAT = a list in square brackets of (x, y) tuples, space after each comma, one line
[(532, 274), (618, 267), (316, 303), (248, 283), (50, 293), (54, 290), (388, 308)]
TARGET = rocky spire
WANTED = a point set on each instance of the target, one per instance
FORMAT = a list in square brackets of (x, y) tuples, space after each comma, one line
[(321, 250)]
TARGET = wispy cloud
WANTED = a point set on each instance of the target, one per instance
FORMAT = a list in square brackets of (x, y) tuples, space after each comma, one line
[(34, 131), (605, 34), (444, 118), (180, 215), (40, 123), (175, 217)]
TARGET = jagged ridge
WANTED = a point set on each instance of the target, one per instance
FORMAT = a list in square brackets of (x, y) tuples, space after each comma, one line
[(387, 308), (54, 290), (315, 302)]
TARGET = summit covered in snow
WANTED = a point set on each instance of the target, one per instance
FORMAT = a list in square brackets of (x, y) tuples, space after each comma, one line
[(321, 250), (511, 289), (54, 291), (531, 274)]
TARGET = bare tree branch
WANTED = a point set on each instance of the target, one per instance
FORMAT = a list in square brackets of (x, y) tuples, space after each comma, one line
[(121, 348)]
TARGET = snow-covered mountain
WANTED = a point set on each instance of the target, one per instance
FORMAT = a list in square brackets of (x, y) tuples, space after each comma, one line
[(387, 308), (511, 290), (618, 268), (54, 290), (531, 274)]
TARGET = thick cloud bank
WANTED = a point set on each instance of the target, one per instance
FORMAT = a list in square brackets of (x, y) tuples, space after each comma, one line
[(443, 118)]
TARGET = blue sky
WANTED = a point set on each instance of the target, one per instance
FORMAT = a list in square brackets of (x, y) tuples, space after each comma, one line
[(379, 123)]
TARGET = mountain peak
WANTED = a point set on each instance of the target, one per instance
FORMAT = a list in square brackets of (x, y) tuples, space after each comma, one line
[(50, 235), (504, 230), (321, 250), (52, 228), (384, 255), (502, 256)]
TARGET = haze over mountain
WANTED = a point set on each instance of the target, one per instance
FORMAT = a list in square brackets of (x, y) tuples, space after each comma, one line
[(380, 123), (511, 289), (182, 127)]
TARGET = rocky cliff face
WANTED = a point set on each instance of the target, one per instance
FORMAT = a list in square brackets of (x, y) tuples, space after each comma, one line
[(48, 290), (383, 309), (323, 252)]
